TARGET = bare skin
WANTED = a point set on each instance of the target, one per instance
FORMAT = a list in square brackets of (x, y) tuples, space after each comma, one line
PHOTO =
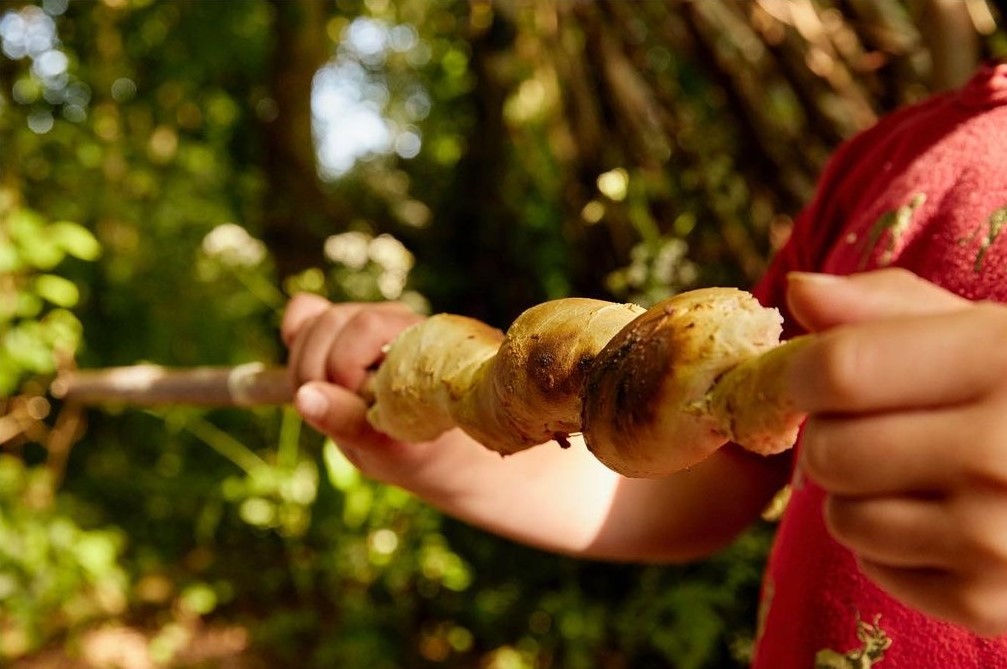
[(906, 392)]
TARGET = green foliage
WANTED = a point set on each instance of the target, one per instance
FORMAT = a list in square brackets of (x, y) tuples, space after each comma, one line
[(37, 330), (55, 576)]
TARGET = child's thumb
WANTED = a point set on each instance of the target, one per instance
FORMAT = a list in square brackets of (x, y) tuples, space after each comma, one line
[(336, 412), (821, 301)]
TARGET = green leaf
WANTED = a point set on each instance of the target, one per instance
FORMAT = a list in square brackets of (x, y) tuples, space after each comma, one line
[(42, 253), (340, 471), (28, 231), (28, 305), (10, 259), (9, 375), (25, 226), (61, 292), (25, 344), (75, 239), (199, 598), (62, 329)]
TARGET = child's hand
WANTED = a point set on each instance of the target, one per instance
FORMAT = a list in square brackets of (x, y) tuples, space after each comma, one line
[(907, 433), (332, 349)]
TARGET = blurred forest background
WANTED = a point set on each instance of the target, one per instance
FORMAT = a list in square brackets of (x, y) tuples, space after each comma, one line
[(171, 171)]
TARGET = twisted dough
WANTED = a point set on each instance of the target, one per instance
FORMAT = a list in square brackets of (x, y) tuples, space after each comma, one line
[(509, 392), (652, 391)]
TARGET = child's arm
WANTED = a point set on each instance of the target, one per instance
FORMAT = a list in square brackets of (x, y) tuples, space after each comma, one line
[(557, 499), (907, 432)]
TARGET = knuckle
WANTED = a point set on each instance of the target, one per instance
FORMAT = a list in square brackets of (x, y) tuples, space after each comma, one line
[(842, 521), (367, 321), (981, 607), (818, 459), (357, 347), (300, 309), (982, 524), (900, 276), (342, 371), (986, 464), (842, 360), (985, 548), (379, 324), (333, 318), (994, 329)]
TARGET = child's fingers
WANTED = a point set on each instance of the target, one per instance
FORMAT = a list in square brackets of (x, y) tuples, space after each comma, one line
[(902, 363), (975, 600), (341, 341), (820, 301), (309, 327), (890, 453), (902, 532), (315, 339), (359, 345), (300, 309), (963, 538)]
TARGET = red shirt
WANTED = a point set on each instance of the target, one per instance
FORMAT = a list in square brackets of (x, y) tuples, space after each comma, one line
[(924, 189)]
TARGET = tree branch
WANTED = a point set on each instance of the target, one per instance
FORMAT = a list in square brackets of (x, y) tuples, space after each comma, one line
[(246, 385)]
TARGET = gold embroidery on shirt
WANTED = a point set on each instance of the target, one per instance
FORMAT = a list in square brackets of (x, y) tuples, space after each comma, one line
[(875, 643), (893, 224), (991, 230)]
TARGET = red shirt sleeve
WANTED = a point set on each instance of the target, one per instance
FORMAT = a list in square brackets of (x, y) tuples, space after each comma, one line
[(817, 227)]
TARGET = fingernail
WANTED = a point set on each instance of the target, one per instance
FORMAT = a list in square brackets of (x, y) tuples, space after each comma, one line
[(312, 403), (814, 278)]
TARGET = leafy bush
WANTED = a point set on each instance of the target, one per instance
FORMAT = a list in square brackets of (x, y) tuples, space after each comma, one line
[(55, 576), (37, 328)]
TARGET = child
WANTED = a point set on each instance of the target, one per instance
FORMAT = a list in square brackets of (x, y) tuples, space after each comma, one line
[(893, 549)]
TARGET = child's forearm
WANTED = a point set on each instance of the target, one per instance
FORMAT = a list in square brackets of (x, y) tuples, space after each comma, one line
[(565, 501)]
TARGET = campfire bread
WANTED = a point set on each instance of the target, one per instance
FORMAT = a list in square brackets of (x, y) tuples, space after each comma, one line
[(653, 391)]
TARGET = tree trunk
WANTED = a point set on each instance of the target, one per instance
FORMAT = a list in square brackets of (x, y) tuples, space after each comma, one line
[(298, 215)]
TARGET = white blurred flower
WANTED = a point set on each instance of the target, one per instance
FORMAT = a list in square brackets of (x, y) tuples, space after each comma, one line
[(354, 250), (391, 254), (348, 248), (614, 184), (669, 259), (231, 245), (391, 283)]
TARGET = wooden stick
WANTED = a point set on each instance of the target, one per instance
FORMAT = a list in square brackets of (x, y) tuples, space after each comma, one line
[(252, 384)]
